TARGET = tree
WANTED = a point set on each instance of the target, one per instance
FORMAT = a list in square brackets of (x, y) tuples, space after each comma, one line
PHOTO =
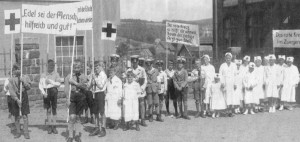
[(122, 49)]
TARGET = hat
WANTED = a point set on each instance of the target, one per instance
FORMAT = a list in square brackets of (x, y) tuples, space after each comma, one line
[(159, 62), (257, 58), (251, 65), (141, 59), (272, 56), (239, 62), (247, 58), (171, 62), (206, 56), (198, 61), (228, 54), (266, 57), (130, 72), (181, 59), (291, 59), (134, 58), (281, 57), (149, 61), (114, 57)]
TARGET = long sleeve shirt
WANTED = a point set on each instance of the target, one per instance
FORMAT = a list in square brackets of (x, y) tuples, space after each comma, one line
[(53, 78), (14, 86), (180, 78)]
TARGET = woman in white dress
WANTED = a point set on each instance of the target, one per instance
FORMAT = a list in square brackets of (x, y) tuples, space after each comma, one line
[(249, 83), (239, 91), (259, 90), (227, 77)]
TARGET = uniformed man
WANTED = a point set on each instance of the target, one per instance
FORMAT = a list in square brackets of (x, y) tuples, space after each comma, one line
[(162, 81), (114, 60), (180, 79), (141, 61), (197, 78), (141, 78), (152, 89), (171, 89)]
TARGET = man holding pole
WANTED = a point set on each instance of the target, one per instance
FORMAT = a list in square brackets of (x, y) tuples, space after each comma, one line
[(18, 102), (76, 102), (49, 82), (141, 78)]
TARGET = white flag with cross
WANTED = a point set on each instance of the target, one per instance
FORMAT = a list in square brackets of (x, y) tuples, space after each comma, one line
[(12, 21), (109, 31)]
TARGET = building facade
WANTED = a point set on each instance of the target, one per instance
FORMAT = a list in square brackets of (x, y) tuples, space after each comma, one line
[(249, 23)]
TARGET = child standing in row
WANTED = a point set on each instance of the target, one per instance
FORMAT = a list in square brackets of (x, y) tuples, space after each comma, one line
[(217, 97)]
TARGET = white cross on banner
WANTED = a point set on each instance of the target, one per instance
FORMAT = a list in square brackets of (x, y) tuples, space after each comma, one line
[(12, 20), (109, 31)]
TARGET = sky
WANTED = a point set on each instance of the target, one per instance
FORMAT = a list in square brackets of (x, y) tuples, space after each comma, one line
[(158, 10)]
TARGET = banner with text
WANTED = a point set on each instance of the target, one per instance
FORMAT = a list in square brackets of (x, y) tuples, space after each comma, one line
[(84, 15), (182, 33), (60, 19), (286, 38)]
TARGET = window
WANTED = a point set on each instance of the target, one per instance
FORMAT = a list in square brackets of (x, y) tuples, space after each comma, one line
[(254, 31), (64, 46), (230, 31)]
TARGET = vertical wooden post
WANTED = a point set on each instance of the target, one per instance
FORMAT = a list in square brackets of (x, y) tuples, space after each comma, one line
[(21, 85), (4, 60), (11, 53), (85, 54)]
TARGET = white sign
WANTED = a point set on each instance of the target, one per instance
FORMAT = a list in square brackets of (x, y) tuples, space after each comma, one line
[(12, 20), (182, 33), (286, 38), (60, 19), (84, 15)]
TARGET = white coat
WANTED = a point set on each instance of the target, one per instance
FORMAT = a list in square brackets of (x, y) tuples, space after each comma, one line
[(209, 75), (227, 75), (259, 90), (290, 80), (250, 80), (132, 92), (113, 98), (272, 80)]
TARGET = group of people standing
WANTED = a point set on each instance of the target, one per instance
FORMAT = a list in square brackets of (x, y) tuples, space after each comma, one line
[(127, 97)]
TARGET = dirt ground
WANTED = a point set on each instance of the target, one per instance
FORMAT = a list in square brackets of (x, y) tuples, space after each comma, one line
[(283, 126)]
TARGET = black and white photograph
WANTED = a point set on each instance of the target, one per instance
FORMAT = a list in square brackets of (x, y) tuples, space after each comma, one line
[(149, 70)]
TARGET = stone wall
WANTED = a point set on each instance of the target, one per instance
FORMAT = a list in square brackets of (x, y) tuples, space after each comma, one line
[(31, 68)]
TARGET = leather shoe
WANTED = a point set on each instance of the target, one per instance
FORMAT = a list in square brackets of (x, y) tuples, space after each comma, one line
[(70, 140), (26, 136), (186, 117), (143, 123), (95, 132), (54, 131), (49, 129), (17, 135), (102, 133)]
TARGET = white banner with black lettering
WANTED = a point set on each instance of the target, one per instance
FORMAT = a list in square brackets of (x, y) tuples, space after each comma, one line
[(60, 19), (286, 38), (182, 33)]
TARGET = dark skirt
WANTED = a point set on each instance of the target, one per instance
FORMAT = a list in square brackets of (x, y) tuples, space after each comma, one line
[(15, 110)]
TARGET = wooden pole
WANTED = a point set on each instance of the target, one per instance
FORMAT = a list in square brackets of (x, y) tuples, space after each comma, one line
[(71, 74), (85, 54), (55, 56), (11, 53), (21, 85), (48, 44)]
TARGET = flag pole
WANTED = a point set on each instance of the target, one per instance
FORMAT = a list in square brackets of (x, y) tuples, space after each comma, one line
[(167, 54), (21, 85), (71, 75), (85, 54), (93, 60), (11, 54)]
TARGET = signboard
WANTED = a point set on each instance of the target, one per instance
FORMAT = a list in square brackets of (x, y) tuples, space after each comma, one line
[(182, 33), (60, 19), (286, 38), (84, 15)]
